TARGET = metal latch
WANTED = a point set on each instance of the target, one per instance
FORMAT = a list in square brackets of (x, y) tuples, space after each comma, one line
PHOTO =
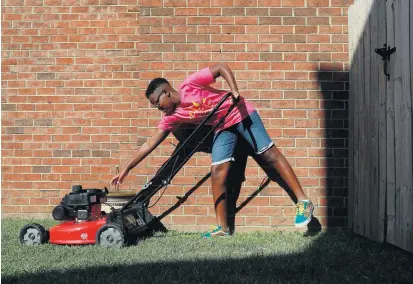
[(385, 53)]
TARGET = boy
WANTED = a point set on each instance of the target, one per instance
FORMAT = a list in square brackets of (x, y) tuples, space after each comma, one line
[(191, 104)]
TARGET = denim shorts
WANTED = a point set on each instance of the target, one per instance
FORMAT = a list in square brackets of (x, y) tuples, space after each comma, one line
[(251, 129)]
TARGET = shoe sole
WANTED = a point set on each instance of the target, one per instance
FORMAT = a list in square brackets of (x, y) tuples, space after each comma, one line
[(215, 237), (304, 223)]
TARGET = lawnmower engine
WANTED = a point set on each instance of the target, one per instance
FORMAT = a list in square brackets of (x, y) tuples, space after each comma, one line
[(81, 214), (80, 205)]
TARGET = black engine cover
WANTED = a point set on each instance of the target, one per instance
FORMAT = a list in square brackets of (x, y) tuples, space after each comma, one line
[(77, 204)]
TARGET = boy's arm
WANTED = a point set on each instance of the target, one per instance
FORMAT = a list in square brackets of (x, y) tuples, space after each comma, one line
[(143, 151), (222, 69)]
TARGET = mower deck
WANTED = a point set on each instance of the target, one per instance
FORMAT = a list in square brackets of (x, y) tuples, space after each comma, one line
[(75, 233)]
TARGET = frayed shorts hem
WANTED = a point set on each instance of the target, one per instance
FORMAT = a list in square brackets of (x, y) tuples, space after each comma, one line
[(223, 161)]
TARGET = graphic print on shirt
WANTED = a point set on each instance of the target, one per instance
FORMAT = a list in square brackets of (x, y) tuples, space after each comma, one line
[(199, 107)]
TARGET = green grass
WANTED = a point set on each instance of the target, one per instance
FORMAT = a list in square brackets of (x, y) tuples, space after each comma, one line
[(185, 258)]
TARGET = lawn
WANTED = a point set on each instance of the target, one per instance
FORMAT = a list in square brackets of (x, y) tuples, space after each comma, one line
[(175, 257)]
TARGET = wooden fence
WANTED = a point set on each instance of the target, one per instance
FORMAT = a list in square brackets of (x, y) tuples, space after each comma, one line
[(380, 121)]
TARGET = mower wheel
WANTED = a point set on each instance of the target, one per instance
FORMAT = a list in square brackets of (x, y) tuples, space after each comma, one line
[(33, 234), (111, 236)]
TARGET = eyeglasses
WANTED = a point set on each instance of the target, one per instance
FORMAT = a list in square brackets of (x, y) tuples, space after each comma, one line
[(156, 104)]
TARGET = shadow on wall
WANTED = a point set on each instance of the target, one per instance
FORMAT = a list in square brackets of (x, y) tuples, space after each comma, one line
[(334, 87)]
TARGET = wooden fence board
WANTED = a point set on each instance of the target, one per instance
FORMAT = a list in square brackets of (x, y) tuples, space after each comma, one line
[(356, 123), (381, 28), (373, 120), (360, 91), (404, 179), (398, 127), (411, 99), (357, 97), (391, 190), (366, 163)]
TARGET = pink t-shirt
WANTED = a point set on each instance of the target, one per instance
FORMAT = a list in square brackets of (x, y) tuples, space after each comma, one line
[(197, 101)]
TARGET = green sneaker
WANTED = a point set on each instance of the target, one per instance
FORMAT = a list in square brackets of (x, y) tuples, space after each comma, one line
[(304, 213), (217, 231)]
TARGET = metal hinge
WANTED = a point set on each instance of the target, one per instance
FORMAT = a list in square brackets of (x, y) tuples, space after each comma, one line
[(385, 53)]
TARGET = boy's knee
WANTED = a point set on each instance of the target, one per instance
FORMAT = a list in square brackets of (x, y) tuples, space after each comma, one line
[(272, 155), (220, 172)]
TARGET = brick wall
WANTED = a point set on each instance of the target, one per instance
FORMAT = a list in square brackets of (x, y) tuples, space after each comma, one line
[(74, 108), (69, 83)]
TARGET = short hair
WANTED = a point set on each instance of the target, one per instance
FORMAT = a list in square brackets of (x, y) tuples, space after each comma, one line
[(154, 84)]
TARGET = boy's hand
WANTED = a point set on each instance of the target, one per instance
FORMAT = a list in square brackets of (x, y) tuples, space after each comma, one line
[(118, 179), (235, 97)]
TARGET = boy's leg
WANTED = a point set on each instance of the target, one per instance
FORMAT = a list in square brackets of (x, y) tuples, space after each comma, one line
[(274, 159), (254, 132), (222, 156), (219, 175)]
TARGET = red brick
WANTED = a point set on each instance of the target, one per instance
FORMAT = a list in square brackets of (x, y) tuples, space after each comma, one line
[(293, 20), (331, 48), (341, 3), (174, 3), (269, 3), (329, 12), (257, 221), (184, 220), (330, 29), (281, 29), (11, 209), (19, 201), (293, 3), (282, 221), (258, 201), (282, 66), (295, 56), (339, 20), (318, 21), (318, 3), (195, 210), (294, 133), (258, 29), (246, 21), (318, 38), (39, 201), (283, 85), (208, 220), (280, 201)]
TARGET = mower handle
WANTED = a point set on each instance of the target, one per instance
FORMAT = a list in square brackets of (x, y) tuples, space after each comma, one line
[(177, 152)]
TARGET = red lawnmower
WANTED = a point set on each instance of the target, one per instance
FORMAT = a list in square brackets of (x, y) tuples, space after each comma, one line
[(82, 219), (83, 222)]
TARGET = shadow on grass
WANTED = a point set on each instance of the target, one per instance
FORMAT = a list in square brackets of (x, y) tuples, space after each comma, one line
[(331, 258)]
